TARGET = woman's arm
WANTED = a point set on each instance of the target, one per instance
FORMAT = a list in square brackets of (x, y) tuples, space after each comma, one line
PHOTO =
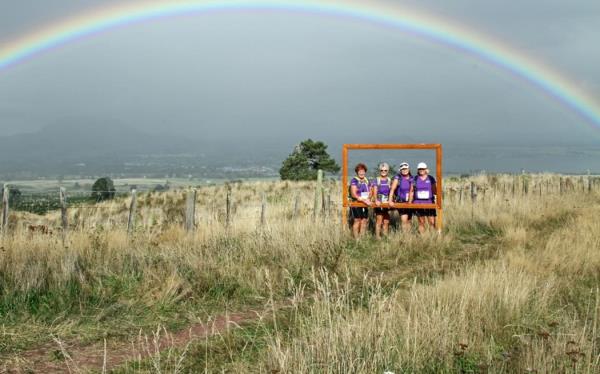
[(392, 190), (354, 192)]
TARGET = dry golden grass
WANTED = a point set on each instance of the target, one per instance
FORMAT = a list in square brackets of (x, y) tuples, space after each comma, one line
[(511, 285)]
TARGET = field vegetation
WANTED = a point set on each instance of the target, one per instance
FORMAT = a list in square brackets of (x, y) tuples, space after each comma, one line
[(511, 285)]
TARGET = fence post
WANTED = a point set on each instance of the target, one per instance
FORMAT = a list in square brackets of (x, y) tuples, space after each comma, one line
[(228, 206), (190, 210), (63, 213), (328, 203), (473, 198), (296, 206), (263, 209), (318, 193), (460, 194), (323, 201), (131, 218), (513, 187), (5, 203), (562, 186)]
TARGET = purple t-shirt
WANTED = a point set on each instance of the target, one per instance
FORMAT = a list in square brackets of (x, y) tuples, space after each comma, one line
[(404, 185), (424, 190), (362, 187), (383, 189)]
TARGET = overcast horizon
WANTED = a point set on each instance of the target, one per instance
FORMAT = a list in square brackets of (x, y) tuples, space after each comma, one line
[(278, 77)]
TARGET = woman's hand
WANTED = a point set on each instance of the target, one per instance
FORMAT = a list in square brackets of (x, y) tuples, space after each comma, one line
[(391, 203)]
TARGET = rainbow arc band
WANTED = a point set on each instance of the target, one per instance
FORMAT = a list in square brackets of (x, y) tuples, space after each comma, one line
[(411, 21), (438, 171)]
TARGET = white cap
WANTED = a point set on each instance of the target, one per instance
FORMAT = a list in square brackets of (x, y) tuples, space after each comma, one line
[(404, 165), (422, 165)]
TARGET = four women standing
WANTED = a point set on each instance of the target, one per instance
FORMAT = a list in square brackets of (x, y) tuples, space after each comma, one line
[(402, 188)]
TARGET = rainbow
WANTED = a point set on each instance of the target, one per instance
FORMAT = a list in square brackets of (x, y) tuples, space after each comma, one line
[(438, 30)]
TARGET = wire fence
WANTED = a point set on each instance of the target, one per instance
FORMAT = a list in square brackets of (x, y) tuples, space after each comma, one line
[(65, 210)]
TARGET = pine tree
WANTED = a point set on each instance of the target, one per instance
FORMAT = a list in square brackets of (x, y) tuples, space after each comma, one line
[(307, 157)]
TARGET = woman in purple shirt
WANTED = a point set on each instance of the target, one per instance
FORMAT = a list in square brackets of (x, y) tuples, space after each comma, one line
[(360, 191), (380, 188), (402, 192), (425, 192)]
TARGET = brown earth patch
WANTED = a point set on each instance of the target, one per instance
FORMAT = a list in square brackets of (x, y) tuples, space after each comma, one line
[(75, 357)]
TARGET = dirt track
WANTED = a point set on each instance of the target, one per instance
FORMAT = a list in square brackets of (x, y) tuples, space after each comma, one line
[(72, 357)]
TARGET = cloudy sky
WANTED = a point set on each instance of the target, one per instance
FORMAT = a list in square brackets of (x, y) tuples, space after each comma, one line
[(283, 77)]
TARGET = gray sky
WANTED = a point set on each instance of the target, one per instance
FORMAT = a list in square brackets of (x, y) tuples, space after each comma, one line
[(282, 77)]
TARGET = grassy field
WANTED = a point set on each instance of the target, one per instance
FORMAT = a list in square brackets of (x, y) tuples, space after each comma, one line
[(512, 285)]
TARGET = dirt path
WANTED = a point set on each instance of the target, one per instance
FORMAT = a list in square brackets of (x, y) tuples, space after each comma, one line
[(73, 357)]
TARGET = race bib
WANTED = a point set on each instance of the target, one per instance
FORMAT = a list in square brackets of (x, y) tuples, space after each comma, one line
[(423, 195), (364, 195)]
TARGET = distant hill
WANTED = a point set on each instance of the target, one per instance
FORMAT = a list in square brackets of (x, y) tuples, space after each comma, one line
[(72, 143)]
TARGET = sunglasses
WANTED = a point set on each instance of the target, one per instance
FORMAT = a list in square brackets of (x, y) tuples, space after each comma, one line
[(383, 169)]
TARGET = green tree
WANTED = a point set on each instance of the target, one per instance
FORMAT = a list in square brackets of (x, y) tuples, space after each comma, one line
[(103, 189), (307, 157)]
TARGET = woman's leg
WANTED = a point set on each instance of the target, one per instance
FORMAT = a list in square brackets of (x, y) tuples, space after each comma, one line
[(386, 223), (356, 228), (405, 219), (378, 224), (364, 226), (431, 222), (356, 225), (422, 220)]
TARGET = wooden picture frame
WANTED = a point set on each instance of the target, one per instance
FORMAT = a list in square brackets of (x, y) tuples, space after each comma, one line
[(438, 157)]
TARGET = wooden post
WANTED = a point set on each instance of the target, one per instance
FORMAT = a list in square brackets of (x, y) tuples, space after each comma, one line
[(296, 206), (318, 193), (323, 202), (562, 186), (5, 202), (131, 218), (190, 210), (460, 194), (344, 187), (513, 187), (473, 198), (440, 188), (63, 212), (328, 203), (228, 207), (263, 210)]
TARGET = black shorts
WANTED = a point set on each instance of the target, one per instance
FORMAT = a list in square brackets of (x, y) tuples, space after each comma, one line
[(384, 211), (425, 212), (406, 211), (359, 212)]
